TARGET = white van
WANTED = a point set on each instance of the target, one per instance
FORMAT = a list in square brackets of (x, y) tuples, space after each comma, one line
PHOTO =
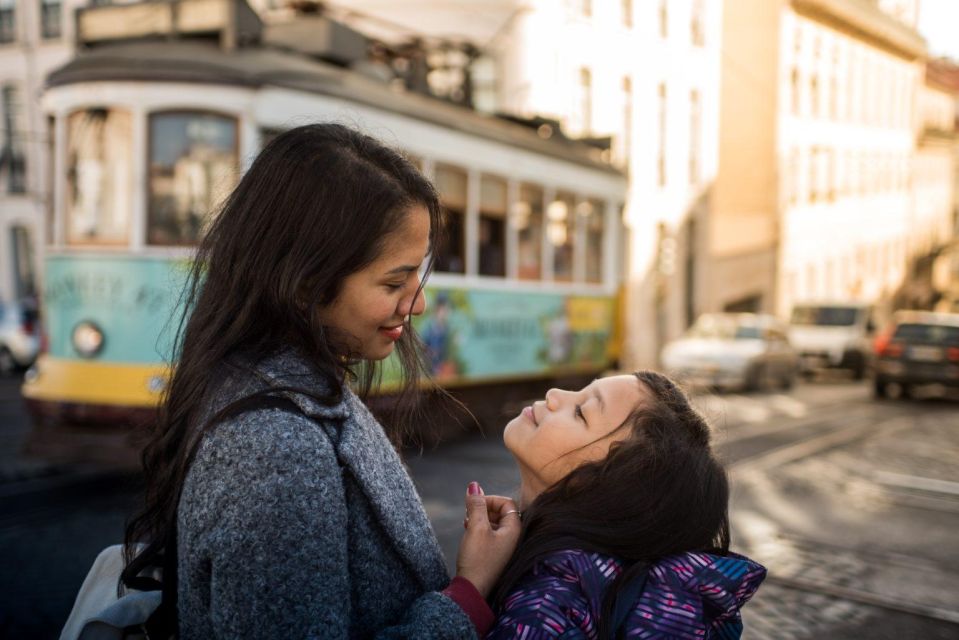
[(835, 335)]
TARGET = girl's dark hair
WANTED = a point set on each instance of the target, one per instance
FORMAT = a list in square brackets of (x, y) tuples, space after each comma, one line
[(316, 206), (660, 491)]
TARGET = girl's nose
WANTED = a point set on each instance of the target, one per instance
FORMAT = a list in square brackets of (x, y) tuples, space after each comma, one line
[(554, 398)]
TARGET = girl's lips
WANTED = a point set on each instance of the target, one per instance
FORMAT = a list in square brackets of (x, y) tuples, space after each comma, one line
[(529, 415), (393, 333)]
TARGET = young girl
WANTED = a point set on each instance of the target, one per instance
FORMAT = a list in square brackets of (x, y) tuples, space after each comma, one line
[(625, 520), (275, 503)]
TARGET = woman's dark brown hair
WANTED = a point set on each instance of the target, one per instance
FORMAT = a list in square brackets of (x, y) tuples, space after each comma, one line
[(660, 491), (316, 205)]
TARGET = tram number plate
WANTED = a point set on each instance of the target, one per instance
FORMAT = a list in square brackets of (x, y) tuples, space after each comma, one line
[(925, 354)]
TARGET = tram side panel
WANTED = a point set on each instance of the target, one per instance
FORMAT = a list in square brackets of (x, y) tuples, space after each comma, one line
[(110, 322)]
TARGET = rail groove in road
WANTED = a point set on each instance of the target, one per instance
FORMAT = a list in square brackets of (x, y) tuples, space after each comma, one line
[(873, 577), (805, 438)]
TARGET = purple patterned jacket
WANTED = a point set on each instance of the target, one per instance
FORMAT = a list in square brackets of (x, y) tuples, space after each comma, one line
[(693, 595)]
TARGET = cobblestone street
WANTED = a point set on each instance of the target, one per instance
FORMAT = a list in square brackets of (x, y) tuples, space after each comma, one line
[(851, 504)]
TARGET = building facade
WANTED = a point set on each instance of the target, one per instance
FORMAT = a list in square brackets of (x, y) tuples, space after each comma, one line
[(35, 38), (828, 189)]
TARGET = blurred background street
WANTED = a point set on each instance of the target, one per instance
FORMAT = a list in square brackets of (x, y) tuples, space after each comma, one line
[(758, 197)]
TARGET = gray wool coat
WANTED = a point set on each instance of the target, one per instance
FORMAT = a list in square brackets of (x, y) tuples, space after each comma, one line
[(277, 540)]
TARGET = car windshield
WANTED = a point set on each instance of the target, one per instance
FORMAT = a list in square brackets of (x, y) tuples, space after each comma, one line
[(825, 316), (927, 333), (723, 329)]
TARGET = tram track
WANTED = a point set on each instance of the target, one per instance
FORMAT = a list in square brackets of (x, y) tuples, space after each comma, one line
[(864, 577), (760, 450)]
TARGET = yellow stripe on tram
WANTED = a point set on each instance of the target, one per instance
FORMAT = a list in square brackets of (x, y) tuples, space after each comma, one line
[(127, 385)]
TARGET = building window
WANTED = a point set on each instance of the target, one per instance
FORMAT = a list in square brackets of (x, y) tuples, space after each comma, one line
[(492, 227), (582, 8), (795, 91), (192, 168), (663, 20), (813, 174), (627, 139), (13, 163), (451, 182), (661, 155), (527, 219), (627, 9), (593, 214), (792, 178), (694, 136), (584, 100), (829, 171), (51, 12), (8, 21), (561, 233), (24, 276), (814, 96), (697, 24), (99, 194)]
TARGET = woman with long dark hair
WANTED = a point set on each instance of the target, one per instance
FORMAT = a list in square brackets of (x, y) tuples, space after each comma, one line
[(276, 505), (625, 522)]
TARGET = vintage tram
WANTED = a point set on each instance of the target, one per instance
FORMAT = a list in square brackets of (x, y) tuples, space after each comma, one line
[(149, 135)]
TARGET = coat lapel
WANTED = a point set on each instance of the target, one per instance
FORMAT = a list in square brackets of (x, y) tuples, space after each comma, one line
[(368, 454), (378, 469)]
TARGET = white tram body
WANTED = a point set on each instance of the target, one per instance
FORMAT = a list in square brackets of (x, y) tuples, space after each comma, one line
[(150, 135)]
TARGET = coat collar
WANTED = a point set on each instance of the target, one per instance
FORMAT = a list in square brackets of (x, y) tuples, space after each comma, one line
[(364, 449)]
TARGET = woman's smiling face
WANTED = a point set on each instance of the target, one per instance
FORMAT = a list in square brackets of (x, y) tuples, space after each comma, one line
[(369, 314), (554, 436)]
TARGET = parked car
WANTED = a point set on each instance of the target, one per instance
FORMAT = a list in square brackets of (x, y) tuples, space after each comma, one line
[(920, 347), (19, 335), (833, 336), (742, 350)]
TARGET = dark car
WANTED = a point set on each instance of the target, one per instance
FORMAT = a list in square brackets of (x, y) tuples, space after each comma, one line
[(919, 348)]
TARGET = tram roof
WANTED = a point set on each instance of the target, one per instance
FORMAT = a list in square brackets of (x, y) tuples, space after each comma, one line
[(199, 62)]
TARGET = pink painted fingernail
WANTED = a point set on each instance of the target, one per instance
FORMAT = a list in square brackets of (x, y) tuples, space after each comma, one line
[(474, 489)]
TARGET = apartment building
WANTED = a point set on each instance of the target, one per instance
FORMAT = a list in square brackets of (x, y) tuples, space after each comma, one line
[(35, 38)]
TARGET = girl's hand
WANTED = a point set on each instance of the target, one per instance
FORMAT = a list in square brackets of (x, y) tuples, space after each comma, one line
[(492, 531)]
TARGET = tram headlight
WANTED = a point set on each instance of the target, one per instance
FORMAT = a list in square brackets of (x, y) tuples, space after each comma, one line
[(87, 338)]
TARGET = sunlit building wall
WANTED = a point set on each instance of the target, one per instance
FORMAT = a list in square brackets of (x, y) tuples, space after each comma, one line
[(849, 86), (828, 114), (934, 184), (35, 37), (647, 75)]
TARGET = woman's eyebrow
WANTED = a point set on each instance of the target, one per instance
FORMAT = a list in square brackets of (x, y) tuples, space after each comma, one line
[(406, 268)]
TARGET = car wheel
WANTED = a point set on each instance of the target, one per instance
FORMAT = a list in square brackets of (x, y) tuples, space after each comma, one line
[(7, 364), (880, 389)]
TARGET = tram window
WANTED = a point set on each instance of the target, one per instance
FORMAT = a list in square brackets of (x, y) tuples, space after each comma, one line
[(527, 219), (99, 180), (593, 213), (192, 168), (561, 233), (492, 227), (451, 182)]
